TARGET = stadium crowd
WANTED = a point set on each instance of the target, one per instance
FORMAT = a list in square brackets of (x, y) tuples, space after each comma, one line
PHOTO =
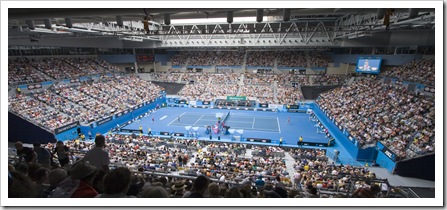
[(165, 77), (38, 112), (254, 58), (258, 79), (263, 93), (291, 59), (318, 59), (373, 111), (226, 78), (149, 167), (420, 70), (208, 58), (288, 95), (33, 70), (230, 58), (179, 59), (63, 68), (86, 102), (329, 79), (261, 58), (20, 71), (215, 90), (287, 79)]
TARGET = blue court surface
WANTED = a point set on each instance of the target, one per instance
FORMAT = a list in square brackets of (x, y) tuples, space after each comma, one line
[(254, 124), (234, 120)]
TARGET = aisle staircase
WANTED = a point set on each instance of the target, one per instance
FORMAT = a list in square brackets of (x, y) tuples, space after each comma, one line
[(275, 91), (244, 64), (248, 153), (289, 160)]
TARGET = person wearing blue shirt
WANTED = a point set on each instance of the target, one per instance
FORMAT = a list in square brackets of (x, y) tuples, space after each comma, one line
[(259, 182)]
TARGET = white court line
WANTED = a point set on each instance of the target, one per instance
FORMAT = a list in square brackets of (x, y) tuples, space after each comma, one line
[(163, 117), (176, 118), (237, 121), (256, 129), (253, 123), (260, 117), (279, 127), (198, 120)]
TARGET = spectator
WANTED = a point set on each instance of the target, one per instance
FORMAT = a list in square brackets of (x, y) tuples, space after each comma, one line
[(55, 177), (20, 186), (363, 193), (213, 191), (199, 187), (40, 177), (62, 153), (97, 156), (43, 155), (25, 153), (79, 184), (117, 183), (260, 182), (177, 190), (234, 192), (154, 192)]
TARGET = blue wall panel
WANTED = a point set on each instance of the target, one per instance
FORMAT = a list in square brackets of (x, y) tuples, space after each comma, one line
[(383, 159), (104, 128), (118, 58), (335, 132), (393, 60)]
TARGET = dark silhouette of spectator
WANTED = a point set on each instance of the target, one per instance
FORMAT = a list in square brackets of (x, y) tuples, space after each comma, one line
[(199, 187), (363, 193), (25, 153), (43, 155), (155, 192), (55, 177), (213, 191), (97, 156), (20, 186), (177, 190), (62, 153), (117, 183), (40, 177), (234, 193), (80, 183)]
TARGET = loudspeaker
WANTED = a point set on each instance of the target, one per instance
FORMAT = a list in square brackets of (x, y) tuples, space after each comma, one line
[(30, 24), (259, 15), (47, 23), (119, 21), (167, 19), (229, 16), (68, 22), (286, 14)]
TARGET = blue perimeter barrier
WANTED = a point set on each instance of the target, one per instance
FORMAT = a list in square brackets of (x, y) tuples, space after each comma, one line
[(385, 160), (367, 154), (104, 125)]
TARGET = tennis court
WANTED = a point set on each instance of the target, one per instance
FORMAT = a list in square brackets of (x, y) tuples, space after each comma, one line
[(264, 123), (254, 124)]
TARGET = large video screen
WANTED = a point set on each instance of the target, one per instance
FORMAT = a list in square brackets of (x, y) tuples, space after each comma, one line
[(369, 65)]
